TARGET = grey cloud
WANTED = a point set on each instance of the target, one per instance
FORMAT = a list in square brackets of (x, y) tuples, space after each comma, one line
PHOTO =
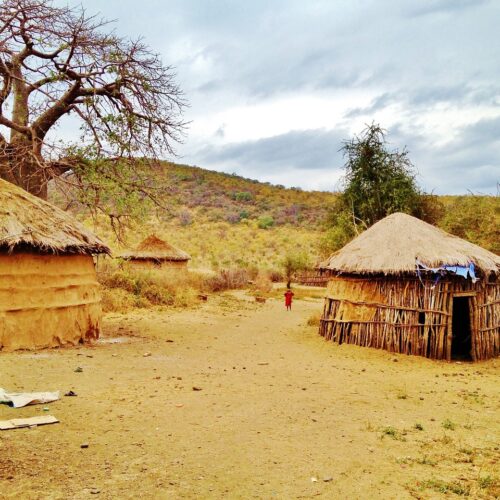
[(422, 97), (413, 54), (451, 169), (469, 162), (377, 104), (264, 48), (304, 150)]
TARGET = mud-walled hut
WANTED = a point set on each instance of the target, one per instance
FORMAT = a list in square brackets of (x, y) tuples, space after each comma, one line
[(408, 287), (49, 294), (156, 254)]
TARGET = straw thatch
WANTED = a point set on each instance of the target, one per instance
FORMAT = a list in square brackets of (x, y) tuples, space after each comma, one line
[(29, 223), (393, 245), (155, 249), (375, 299)]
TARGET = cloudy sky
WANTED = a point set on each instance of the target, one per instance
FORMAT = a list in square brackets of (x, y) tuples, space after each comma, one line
[(275, 86)]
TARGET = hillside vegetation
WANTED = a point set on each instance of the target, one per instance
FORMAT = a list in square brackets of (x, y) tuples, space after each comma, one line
[(226, 221), (222, 220)]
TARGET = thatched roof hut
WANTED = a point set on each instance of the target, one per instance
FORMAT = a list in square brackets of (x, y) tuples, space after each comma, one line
[(49, 295), (406, 286), (157, 253)]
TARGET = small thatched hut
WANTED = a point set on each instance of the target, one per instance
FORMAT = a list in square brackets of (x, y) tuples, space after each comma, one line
[(409, 287), (156, 254), (49, 295)]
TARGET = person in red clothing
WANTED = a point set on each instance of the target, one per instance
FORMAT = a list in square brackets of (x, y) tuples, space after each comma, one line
[(288, 299)]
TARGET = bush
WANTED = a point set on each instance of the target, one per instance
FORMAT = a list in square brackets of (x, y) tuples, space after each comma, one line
[(474, 218), (340, 230), (227, 279), (263, 285), (116, 300), (185, 218), (127, 288), (265, 222), (233, 218), (314, 319), (242, 196), (449, 425), (275, 276), (157, 295)]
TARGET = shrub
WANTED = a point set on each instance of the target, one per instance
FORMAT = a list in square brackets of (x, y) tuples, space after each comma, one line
[(474, 218), (157, 295), (448, 424), (275, 276), (127, 288), (185, 218), (262, 285), (393, 433), (186, 297), (116, 300), (227, 279), (265, 222), (444, 487), (233, 218), (314, 319), (242, 196)]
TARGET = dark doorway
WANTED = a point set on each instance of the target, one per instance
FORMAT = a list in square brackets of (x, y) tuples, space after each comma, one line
[(461, 345)]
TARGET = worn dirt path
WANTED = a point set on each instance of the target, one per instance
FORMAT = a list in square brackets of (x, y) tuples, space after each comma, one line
[(278, 408)]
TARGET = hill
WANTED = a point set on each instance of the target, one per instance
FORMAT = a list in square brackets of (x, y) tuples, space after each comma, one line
[(205, 195), (224, 220)]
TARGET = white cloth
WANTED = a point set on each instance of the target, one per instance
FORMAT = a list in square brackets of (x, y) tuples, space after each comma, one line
[(19, 399)]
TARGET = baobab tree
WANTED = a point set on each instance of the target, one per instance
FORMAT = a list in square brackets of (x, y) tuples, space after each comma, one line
[(59, 61)]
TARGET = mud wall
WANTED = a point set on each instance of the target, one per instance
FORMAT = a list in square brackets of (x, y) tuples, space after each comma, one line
[(47, 300)]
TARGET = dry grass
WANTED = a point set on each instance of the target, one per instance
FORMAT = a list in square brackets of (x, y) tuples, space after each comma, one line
[(221, 245), (314, 319), (125, 288)]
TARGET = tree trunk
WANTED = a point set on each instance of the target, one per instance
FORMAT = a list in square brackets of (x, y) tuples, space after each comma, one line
[(23, 167)]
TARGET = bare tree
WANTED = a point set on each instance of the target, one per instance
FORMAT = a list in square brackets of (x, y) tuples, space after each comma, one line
[(58, 61)]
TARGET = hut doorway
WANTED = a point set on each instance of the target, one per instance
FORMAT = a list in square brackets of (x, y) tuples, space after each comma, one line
[(461, 345)]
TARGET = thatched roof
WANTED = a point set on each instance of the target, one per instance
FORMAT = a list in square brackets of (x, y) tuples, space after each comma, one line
[(395, 243), (29, 223), (153, 248)]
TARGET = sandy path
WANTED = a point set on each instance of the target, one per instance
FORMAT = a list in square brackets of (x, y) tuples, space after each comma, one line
[(277, 407)]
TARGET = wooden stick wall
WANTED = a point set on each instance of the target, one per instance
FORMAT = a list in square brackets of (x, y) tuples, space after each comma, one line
[(410, 317)]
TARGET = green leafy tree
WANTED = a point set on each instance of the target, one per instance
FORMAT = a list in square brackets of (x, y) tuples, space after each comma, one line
[(378, 181), (292, 263)]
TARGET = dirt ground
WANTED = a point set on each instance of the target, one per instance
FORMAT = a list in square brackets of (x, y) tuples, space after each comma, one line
[(235, 399)]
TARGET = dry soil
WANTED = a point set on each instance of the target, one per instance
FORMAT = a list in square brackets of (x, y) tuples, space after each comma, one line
[(235, 399)]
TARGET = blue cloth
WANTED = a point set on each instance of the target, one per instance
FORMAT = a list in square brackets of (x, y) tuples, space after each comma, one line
[(464, 271)]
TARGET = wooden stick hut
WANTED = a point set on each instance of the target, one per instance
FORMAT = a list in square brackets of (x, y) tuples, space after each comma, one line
[(408, 287), (49, 294), (154, 253)]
